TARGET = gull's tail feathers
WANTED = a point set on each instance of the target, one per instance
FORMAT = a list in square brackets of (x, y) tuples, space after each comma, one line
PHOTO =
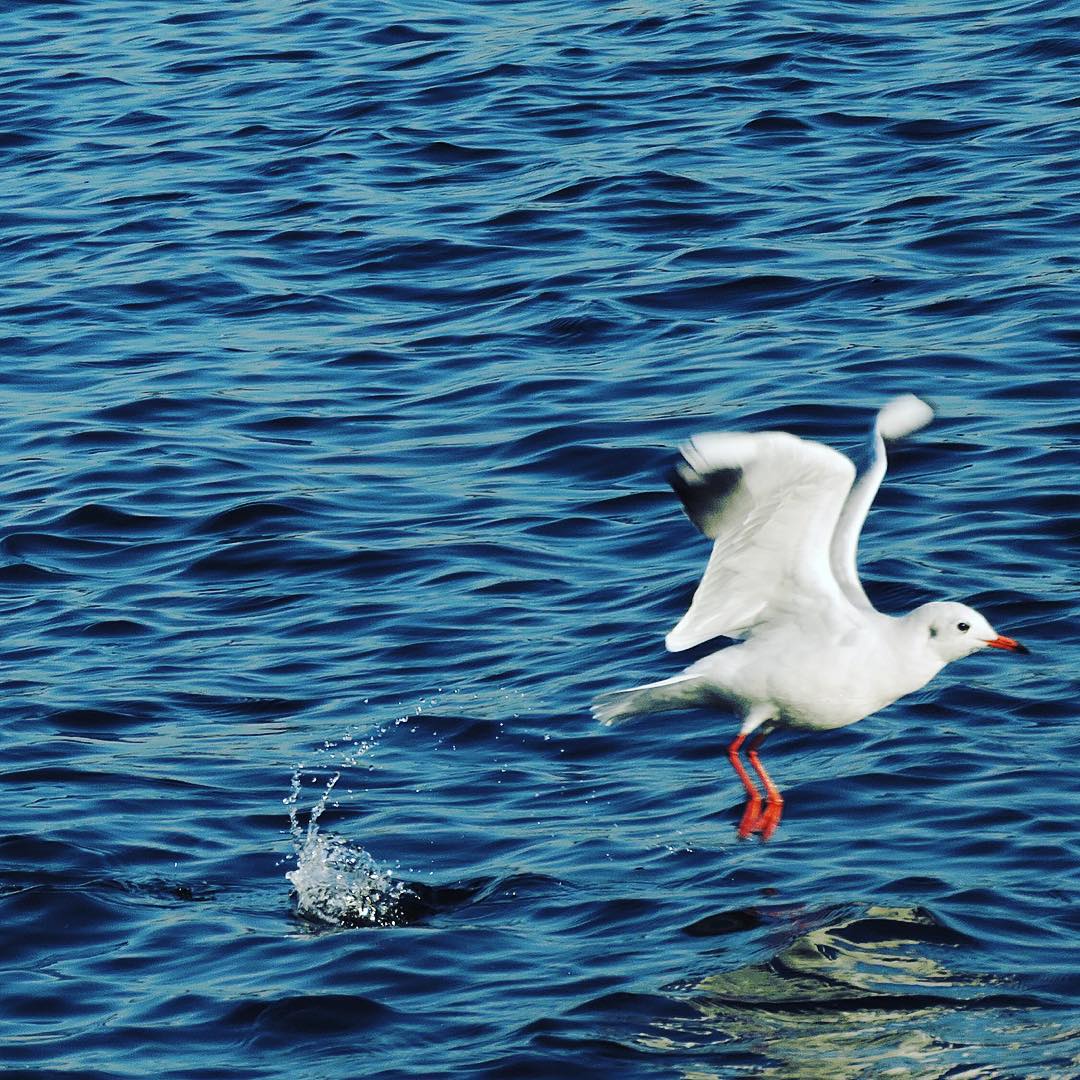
[(678, 692)]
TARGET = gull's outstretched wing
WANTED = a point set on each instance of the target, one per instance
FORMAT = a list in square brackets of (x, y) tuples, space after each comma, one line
[(771, 502), (900, 416)]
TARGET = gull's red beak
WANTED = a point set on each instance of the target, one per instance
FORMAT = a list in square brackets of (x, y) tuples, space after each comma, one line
[(1003, 642)]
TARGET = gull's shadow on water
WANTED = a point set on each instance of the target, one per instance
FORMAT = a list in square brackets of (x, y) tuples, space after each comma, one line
[(848, 991)]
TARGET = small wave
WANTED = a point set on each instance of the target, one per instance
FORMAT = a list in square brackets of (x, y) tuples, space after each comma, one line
[(98, 519), (282, 1019), (115, 628), (775, 123), (255, 518)]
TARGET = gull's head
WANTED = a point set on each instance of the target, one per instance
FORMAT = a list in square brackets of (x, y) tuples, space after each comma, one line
[(955, 630)]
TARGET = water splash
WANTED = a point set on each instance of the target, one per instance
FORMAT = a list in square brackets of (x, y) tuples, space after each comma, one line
[(336, 881)]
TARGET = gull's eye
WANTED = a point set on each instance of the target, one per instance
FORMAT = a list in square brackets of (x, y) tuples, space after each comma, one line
[(963, 627)]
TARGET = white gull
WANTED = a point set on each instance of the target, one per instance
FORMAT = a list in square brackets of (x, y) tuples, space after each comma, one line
[(785, 515)]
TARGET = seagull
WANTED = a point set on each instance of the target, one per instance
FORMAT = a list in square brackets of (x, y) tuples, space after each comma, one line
[(811, 651)]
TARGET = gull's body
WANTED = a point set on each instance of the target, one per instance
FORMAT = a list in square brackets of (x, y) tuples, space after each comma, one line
[(785, 515)]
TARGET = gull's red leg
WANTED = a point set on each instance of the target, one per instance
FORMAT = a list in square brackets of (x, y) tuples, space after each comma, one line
[(774, 801), (752, 812)]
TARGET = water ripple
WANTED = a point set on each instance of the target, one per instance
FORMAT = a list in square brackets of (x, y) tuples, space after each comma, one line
[(347, 350)]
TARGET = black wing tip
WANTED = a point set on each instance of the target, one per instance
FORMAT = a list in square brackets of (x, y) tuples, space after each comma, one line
[(702, 495)]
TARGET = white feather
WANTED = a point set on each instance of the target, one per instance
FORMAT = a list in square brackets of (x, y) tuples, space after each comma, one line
[(902, 416)]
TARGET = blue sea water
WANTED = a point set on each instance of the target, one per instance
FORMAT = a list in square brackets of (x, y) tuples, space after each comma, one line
[(345, 346)]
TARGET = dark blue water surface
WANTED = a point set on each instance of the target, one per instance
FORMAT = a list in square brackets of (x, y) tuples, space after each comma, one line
[(344, 347)]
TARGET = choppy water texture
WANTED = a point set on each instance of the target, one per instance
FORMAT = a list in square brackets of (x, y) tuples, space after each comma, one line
[(345, 346)]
